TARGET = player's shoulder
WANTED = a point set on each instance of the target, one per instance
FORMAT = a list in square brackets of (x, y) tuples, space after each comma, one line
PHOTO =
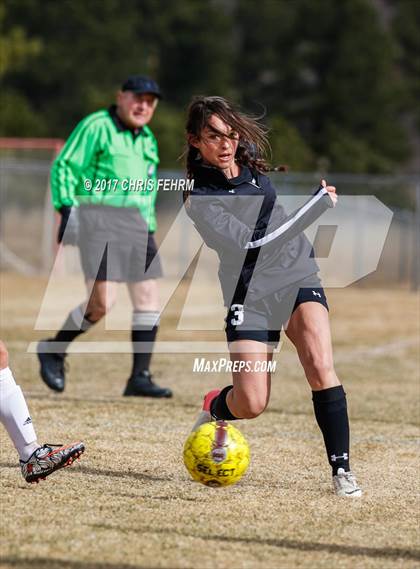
[(261, 178), (96, 120), (199, 189), (147, 131), (264, 182)]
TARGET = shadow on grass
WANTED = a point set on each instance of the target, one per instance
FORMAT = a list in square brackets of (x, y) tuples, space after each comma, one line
[(309, 413), (54, 397), (47, 562), (99, 472), (332, 548), (350, 550)]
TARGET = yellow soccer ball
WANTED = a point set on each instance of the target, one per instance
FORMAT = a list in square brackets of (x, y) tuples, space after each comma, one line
[(216, 454)]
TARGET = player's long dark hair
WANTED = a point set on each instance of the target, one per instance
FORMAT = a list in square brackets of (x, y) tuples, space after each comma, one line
[(253, 144)]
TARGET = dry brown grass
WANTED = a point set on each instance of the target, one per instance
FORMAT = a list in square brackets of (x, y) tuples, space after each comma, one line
[(130, 504)]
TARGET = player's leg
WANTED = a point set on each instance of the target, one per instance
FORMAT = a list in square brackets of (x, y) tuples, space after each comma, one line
[(36, 461), (309, 330), (252, 336), (95, 238), (14, 412), (101, 298), (145, 324), (248, 396), (249, 393)]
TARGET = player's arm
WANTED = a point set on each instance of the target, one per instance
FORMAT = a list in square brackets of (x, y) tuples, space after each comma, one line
[(212, 218), (279, 233)]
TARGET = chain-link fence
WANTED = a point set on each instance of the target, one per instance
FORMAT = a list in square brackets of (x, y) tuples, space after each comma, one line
[(28, 222)]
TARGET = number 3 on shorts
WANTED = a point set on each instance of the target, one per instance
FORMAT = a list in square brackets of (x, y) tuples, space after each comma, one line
[(238, 313)]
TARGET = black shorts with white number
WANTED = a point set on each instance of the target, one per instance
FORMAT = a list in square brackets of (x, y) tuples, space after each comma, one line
[(262, 320)]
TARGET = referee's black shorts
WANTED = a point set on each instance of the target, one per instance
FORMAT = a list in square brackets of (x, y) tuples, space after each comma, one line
[(262, 320), (115, 245)]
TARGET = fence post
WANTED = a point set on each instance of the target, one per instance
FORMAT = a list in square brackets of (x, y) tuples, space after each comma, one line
[(415, 277), (405, 221)]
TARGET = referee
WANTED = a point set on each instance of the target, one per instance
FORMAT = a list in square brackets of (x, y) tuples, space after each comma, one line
[(103, 184)]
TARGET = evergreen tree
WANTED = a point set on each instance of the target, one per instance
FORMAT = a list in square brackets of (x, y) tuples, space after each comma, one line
[(17, 50), (329, 67), (333, 82)]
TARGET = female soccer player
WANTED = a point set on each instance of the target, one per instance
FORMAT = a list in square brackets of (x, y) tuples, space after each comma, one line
[(267, 273), (36, 461)]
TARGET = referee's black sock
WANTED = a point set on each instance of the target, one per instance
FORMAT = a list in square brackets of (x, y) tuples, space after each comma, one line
[(330, 408), (144, 329), (76, 323), (219, 408)]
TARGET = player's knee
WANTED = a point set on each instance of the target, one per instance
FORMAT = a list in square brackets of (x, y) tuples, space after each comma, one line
[(250, 408), (4, 356), (319, 370)]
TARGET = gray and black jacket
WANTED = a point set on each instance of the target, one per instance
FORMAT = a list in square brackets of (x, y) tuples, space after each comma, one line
[(261, 249)]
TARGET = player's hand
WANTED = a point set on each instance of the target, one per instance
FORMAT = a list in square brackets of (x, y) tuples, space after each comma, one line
[(331, 192), (68, 232)]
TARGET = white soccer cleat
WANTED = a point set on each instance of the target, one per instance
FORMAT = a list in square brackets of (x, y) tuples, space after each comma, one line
[(205, 415), (345, 484)]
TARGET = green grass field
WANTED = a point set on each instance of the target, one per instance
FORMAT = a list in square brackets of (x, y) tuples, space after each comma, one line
[(129, 502)]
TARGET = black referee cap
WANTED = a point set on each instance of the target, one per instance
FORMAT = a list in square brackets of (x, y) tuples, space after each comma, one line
[(140, 84)]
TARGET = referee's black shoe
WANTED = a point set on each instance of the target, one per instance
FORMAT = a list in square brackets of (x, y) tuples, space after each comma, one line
[(141, 385), (51, 366)]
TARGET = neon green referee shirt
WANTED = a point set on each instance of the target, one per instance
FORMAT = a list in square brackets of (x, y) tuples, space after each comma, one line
[(105, 163)]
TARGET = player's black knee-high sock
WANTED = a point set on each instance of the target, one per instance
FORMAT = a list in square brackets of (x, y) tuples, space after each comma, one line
[(76, 323), (330, 408), (219, 408), (144, 329)]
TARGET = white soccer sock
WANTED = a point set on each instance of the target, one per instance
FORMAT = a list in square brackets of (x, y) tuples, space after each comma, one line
[(14, 415)]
